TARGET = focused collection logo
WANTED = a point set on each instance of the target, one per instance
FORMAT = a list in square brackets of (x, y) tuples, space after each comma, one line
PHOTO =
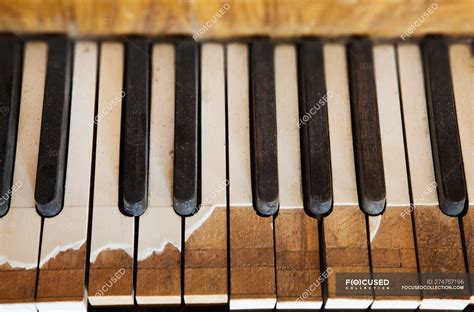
[(403, 284), (366, 283)]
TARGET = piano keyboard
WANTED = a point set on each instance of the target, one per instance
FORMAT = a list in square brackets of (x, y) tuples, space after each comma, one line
[(247, 174)]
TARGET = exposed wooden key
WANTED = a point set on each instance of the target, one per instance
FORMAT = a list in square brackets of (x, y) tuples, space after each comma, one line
[(438, 237), (112, 233), (205, 261), (159, 239), (263, 128), (186, 176), (135, 128), (366, 135), (444, 130), (11, 54), (49, 191), (462, 68), (252, 272), (63, 257), (20, 228), (296, 233), (344, 228), (313, 122), (392, 242)]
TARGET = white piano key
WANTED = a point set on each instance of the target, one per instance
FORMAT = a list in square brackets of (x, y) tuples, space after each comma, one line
[(390, 233), (462, 68), (213, 164), (205, 279), (111, 257), (18, 307), (395, 304), (292, 221), (239, 125), (416, 125), (64, 236), (340, 126), (69, 306), (248, 231), (437, 235), (390, 118), (20, 228), (159, 238), (443, 305), (288, 133), (346, 206)]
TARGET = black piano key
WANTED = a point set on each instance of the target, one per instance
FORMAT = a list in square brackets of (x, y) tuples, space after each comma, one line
[(51, 172), (316, 157), (186, 149), (366, 128), (263, 126), (135, 128), (11, 54), (444, 132)]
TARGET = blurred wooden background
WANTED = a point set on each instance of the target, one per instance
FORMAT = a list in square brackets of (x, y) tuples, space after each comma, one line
[(279, 18)]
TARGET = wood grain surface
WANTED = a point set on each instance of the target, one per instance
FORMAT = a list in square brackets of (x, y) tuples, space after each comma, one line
[(382, 18), (297, 252), (62, 278), (251, 255), (205, 264), (346, 244)]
